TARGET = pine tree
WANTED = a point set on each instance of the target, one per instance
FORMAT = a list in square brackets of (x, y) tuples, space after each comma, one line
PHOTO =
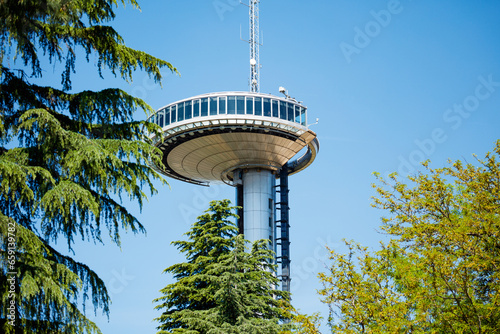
[(246, 295), (210, 237), (66, 159), (222, 288)]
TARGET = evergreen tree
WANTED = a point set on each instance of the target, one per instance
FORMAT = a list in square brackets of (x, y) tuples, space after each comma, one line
[(440, 273), (66, 159), (222, 288)]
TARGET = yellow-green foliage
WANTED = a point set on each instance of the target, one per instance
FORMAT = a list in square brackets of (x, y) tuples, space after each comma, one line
[(301, 323), (440, 271)]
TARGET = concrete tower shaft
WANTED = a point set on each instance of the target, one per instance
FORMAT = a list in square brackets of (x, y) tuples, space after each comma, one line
[(258, 203)]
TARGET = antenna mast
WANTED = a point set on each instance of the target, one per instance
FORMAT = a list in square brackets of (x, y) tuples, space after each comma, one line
[(254, 46)]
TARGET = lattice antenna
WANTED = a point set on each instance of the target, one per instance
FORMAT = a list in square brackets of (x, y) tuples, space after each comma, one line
[(254, 46)]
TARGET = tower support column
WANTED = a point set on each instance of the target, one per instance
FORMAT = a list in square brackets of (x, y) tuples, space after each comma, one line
[(258, 205)]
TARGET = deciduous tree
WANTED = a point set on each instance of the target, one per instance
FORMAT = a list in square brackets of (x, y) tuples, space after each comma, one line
[(302, 323), (440, 271)]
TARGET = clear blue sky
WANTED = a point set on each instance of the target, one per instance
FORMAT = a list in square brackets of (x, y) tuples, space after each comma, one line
[(390, 91)]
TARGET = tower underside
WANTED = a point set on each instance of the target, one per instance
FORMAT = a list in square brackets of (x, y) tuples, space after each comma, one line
[(213, 154)]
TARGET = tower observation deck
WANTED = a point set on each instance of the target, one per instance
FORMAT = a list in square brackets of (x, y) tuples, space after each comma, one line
[(248, 140), (207, 138)]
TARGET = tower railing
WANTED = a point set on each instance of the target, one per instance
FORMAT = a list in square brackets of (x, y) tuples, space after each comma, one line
[(231, 104)]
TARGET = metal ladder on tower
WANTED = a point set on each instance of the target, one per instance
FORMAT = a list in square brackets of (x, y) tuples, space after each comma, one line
[(283, 225)]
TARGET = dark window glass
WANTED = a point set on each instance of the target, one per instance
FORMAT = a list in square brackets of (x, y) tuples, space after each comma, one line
[(213, 106), (290, 112), (180, 112), (160, 119), (204, 107), (222, 105), (196, 108), (231, 104), (303, 116), (258, 106), (267, 107), (187, 110), (297, 114), (283, 109), (173, 113), (249, 104), (240, 104), (167, 116), (275, 108)]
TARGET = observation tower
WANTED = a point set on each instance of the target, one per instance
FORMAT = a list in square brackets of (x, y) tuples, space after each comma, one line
[(248, 140)]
